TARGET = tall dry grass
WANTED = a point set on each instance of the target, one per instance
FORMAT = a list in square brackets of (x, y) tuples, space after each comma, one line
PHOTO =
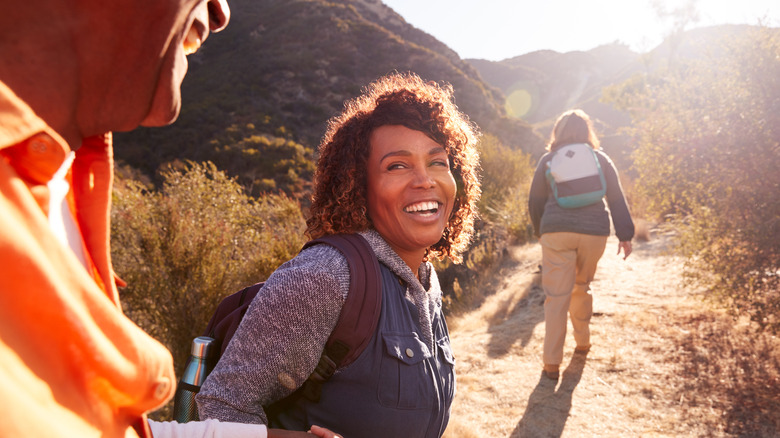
[(728, 378)]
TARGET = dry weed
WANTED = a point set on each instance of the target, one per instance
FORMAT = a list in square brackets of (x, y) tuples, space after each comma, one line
[(729, 370)]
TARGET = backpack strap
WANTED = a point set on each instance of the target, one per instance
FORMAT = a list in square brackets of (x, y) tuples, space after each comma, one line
[(359, 315), (227, 317)]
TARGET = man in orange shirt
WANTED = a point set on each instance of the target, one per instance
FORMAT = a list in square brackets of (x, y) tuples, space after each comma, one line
[(72, 71)]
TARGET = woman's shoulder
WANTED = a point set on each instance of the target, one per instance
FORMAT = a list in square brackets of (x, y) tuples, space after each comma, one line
[(603, 154), (605, 160), (321, 264), (320, 256)]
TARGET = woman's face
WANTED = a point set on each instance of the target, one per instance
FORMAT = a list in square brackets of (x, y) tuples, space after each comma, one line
[(411, 191)]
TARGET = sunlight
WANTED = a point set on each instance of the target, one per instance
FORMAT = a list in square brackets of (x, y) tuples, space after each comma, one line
[(522, 98), (518, 103), (502, 29)]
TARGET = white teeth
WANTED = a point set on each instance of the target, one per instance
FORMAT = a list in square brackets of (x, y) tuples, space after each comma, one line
[(422, 206), (192, 42)]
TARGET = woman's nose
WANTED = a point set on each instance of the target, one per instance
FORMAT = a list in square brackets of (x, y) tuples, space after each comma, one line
[(423, 178), (219, 14)]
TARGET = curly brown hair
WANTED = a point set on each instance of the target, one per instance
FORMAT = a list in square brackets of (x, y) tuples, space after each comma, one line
[(340, 190)]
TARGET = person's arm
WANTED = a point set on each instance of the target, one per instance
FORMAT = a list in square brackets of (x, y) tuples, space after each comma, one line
[(317, 431), (537, 196), (621, 217), (279, 342), (218, 429), (207, 429)]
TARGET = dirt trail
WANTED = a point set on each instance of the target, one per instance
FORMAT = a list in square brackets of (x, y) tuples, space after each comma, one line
[(617, 390)]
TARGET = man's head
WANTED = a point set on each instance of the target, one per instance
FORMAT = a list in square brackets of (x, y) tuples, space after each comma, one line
[(88, 67), (146, 42)]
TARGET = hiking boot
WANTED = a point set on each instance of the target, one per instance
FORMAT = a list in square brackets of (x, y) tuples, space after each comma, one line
[(551, 372), (582, 349)]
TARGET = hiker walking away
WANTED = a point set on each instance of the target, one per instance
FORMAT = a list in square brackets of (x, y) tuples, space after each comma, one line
[(73, 71), (573, 238), (399, 167)]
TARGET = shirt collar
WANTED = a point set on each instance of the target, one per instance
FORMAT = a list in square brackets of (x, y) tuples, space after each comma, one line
[(33, 148)]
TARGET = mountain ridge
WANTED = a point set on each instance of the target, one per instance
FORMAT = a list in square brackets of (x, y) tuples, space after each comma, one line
[(284, 67)]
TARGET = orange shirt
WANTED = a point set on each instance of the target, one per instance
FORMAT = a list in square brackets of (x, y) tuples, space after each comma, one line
[(71, 364)]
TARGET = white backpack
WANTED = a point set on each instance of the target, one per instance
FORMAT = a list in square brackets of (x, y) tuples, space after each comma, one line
[(575, 176)]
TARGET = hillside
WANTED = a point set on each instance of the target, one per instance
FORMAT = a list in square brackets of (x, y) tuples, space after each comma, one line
[(283, 67), (558, 81)]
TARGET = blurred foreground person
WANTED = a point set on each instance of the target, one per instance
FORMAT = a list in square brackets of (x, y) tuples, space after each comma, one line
[(399, 167), (573, 239), (72, 71)]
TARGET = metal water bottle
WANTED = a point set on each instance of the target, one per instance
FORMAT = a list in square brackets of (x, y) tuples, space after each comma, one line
[(198, 367)]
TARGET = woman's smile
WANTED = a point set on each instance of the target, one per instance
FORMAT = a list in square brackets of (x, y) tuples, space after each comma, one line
[(411, 190)]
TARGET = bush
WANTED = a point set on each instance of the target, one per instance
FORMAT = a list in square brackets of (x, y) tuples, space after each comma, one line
[(503, 207), (506, 179), (708, 134), (264, 163), (185, 247)]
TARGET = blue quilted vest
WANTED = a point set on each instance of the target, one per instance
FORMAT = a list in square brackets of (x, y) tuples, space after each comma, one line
[(396, 388)]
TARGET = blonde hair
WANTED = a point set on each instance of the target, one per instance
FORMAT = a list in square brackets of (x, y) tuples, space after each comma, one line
[(573, 126)]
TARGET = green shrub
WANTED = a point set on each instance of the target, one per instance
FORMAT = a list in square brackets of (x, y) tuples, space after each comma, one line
[(506, 179), (504, 220), (185, 247), (708, 150), (264, 163)]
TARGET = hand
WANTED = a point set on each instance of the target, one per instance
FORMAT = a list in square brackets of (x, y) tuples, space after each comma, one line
[(626, 247), (317, 431), (322, 432), (281, 433)]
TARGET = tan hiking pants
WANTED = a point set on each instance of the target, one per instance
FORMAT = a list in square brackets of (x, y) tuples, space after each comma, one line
[(569, 263)]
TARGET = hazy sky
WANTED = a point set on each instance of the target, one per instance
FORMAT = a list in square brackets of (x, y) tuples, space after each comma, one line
[(500, 29)]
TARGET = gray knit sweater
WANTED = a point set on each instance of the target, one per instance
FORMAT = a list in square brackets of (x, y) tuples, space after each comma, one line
[(284, 331)]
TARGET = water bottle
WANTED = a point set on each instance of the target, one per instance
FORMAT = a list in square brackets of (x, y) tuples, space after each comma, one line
[(198, 367)]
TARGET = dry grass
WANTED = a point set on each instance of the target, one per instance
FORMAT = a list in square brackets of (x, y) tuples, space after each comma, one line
[(662, 365)]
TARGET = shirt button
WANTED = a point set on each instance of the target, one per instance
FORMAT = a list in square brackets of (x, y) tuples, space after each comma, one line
[(162, 388), (409, 353), (39, 144)]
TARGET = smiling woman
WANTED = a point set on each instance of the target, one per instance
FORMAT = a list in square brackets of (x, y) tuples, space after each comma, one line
[(398, 167)]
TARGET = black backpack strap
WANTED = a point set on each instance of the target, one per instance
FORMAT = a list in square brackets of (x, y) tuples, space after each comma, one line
[(359, 315)]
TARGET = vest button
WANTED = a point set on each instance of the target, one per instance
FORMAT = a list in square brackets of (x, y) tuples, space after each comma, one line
[(409, 353)]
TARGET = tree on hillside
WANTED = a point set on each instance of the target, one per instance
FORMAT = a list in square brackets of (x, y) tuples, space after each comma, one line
[(708, 149), (185, 247), (264, 163)]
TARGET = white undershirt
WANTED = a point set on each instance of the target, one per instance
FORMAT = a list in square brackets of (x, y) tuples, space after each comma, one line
[(207, 429), (61, 218)]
